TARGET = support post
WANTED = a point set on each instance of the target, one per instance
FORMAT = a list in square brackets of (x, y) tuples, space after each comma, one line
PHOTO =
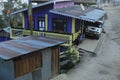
[(30, 21)]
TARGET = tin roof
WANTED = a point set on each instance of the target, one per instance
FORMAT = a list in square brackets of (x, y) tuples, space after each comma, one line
[(26, 45), (89, 14), (95, 15)]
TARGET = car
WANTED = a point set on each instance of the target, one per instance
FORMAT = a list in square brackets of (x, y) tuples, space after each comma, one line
[(94, 31)]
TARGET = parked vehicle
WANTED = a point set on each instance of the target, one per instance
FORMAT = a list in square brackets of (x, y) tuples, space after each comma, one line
[(95, 30)]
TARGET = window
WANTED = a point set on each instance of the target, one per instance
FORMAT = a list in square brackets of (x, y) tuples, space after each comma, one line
[(41, 23), (59, 25)]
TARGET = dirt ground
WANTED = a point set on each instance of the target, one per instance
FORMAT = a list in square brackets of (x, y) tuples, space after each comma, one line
[(106, 65)]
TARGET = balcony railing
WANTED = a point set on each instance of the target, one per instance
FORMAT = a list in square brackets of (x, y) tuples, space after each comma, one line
[(66, 37), (16, 33)]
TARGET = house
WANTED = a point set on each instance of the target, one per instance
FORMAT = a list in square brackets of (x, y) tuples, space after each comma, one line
[(57, 19), (5, 34), (29, 58)]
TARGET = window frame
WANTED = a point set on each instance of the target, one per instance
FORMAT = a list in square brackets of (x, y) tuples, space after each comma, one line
[(64, 20), (42, 19)]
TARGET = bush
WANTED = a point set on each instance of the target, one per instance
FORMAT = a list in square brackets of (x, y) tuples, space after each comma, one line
[(71, 55)]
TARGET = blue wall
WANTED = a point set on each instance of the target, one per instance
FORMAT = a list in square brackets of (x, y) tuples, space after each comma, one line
[(40, 12), (4, 39), (37, 12)]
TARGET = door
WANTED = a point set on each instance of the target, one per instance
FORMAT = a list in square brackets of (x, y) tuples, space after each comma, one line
[(55, 61), (41, 23)]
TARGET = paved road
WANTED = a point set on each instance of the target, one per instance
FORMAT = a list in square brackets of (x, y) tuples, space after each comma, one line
[(106, 66), (89, 44)]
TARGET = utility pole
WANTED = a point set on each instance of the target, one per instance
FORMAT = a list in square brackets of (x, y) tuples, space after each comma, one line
[(30, 20)]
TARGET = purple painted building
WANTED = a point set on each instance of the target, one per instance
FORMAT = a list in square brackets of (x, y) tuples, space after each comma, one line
[(58, 19)]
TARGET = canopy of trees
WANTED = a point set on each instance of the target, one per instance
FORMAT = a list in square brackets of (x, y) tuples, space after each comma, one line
[(10, 6)]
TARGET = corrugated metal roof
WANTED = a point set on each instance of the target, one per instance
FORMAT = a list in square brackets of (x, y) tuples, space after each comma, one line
[(15, 48), (95, 15), (89, 14)]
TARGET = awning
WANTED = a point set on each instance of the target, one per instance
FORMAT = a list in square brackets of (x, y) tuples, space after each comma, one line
[(89, 14), (95, 15)]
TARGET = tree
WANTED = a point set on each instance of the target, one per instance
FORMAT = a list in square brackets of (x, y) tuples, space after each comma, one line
[(2, 24), (10, 6)]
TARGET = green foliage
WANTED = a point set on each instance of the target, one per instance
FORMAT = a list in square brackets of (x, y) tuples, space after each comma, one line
[(71, 54), (10, 6), (2, 23), (68, 66)]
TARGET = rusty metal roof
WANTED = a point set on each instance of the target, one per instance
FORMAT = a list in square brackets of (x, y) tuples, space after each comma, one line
[(77, 12), (15, 48)]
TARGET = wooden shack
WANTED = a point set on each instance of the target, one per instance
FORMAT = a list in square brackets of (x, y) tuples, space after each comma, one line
[(30, 58)]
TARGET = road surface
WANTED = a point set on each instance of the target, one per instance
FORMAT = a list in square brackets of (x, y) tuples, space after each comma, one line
[(106, 65)]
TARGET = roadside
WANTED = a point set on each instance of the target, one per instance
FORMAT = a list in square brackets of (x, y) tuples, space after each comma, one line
[(106, 65)]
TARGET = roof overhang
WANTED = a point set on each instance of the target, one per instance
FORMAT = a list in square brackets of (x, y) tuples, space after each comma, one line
[(94, 15), (89, 14)]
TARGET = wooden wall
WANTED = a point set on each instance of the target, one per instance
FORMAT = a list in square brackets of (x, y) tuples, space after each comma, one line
[(27, 63), (55, 61), (30, 62)]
